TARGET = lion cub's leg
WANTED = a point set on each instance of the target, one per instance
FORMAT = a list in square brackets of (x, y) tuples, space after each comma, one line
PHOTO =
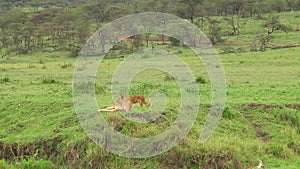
[(141, 103), (145, 103)]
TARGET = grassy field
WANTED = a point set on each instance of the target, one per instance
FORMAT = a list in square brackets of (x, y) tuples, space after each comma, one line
[(261, 120)]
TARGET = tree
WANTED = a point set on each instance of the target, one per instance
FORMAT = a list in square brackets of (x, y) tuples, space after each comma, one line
[(272, 24), (262, 41), (214, 33), (191, 8), (11, 25)]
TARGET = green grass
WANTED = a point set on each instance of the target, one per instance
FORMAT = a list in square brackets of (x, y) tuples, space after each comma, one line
[(261, 119)]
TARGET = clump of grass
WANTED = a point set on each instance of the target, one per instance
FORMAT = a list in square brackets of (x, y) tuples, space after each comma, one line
[(292, 117), (277, 150), (65, 65), (100, 89), (168, 77), (179, 52), (34, 162), (5, 79), (229, 113), (295, 146), (200, 80), (4, 164), (141, 88), (228, 49), (48, 80), (31, 66), (85, 87), (3, 69), (44, 66), (41, 61), (240, 50)]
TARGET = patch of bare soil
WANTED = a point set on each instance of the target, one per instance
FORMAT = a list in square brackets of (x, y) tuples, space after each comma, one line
[(285, 46), (71, 155), (264, 106), (202, 160), (16, 151)]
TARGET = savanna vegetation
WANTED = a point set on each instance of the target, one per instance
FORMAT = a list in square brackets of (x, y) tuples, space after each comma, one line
[(258, 44)]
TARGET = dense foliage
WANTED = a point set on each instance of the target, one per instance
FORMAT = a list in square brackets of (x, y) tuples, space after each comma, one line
[(30, 25)]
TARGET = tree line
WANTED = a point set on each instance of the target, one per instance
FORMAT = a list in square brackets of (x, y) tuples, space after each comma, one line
[(29, 25)]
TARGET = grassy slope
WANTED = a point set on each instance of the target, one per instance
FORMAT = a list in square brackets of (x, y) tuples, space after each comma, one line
[(261, 120)]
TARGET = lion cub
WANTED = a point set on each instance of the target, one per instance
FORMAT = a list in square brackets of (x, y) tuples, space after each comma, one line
[(138, 99), (126, 102)]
